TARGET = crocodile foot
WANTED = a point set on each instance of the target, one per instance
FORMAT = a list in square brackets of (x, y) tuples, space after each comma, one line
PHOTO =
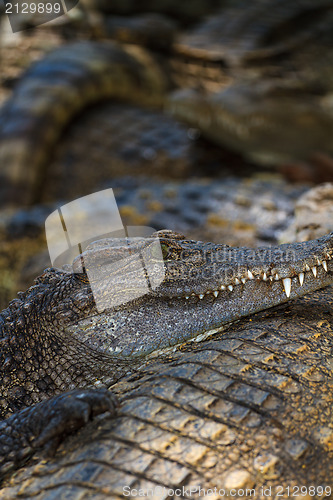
[(46, 424)]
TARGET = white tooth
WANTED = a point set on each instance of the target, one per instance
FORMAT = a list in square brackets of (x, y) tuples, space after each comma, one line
[(328, 257), (314, 271), (324, 264), (277, 277), (264, 277), (318, 262), (250, 275), (222, 287), (243, 280), (301, 278), (230, 287), (287, 286), (187, 297), (216, 293), (201, 296), (271, 278), (237, 281), (307, 267)]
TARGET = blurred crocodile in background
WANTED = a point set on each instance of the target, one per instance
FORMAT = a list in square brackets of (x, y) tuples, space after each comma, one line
[(254, 70), (251, 408), (277, 107)]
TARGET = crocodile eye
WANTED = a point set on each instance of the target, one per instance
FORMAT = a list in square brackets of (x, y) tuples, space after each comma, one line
[(165, 251)]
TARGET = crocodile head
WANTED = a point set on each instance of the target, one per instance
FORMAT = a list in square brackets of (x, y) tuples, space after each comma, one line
[(267, 70), (205, 287), (267, 124)]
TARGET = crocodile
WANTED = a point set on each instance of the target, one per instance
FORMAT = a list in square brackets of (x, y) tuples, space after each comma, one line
[(247, 78), (54, 339), (191, 410), (279, 71)]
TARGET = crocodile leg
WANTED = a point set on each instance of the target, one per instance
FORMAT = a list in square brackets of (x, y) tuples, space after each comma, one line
[(46, 424)]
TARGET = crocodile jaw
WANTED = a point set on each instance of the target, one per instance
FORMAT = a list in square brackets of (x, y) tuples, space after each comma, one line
[(157, 325), (162, 320)]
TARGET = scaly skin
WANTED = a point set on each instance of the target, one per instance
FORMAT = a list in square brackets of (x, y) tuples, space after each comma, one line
[(250, 408), (54, 339)]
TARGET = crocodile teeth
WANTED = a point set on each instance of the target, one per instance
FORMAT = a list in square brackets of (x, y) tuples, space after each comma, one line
[(324, 264), (314, 271), (301, 278), (243, 280), (264, 277), (307, 267), (250, 275), (287, 286), (216, 293), (187, 297), (237, 281), (230, 287), (277, 277), (201, 296), (319, 262), (222, 287)]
